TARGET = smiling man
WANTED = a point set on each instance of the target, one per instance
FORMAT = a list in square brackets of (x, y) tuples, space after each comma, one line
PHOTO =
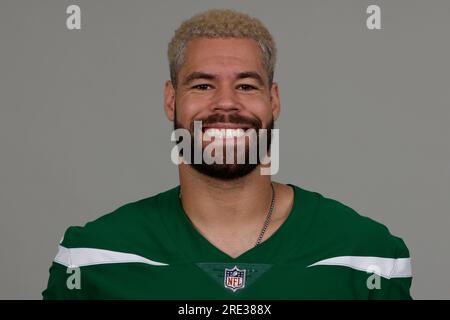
[(228, 231)]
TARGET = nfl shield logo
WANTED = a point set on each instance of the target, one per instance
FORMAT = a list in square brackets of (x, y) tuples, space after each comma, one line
[(234, 279)]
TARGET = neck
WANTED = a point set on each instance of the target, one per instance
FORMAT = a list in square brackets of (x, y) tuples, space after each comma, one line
[(238, 204)]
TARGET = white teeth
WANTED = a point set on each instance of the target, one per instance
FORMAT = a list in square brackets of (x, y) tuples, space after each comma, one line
[(224, 133)]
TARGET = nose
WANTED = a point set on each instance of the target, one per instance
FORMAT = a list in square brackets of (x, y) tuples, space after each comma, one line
[(226, 100)]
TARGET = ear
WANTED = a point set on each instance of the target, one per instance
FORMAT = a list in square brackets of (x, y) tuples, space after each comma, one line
[(275, 100), (169, 100)]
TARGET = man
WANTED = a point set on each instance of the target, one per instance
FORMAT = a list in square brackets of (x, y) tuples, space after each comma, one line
[(228, 231)]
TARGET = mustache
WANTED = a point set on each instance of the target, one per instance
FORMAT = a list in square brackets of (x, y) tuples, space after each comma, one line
[(231, 118)]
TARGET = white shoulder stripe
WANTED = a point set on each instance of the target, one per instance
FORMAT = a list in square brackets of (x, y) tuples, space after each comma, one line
[(385, 267), (80, 257)]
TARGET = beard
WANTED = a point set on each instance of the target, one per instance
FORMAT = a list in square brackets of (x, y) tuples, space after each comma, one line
[(225, 171)]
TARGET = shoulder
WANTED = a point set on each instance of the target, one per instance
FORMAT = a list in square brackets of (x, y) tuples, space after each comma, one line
[(337, 225), (122, 227), (134, 232), (339, 236)]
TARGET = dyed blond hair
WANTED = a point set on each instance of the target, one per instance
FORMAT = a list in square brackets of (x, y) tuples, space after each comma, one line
[(221, 24)]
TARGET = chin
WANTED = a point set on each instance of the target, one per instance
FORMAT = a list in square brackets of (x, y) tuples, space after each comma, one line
[(225, 171)]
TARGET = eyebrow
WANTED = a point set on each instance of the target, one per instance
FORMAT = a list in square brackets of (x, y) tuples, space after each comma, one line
[(198, 75), (251, 74), (208, 76)]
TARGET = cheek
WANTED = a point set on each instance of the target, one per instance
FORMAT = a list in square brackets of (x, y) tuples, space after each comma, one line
[(188, 108), (260, 108)]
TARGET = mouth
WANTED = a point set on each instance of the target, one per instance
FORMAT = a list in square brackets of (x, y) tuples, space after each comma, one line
[(225, 130)]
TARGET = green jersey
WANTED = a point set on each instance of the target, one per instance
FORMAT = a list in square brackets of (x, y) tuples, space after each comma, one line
[(149, 249)]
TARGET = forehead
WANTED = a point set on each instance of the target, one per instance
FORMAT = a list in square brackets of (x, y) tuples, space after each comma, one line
[(217, 55)]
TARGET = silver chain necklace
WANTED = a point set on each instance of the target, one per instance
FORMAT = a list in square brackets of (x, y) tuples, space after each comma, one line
[(268, 217)]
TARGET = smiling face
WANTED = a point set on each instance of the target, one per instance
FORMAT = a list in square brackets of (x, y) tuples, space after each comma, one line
[(224, 84)]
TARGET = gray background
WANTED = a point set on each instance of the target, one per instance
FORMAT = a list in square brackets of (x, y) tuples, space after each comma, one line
[(365, 118)]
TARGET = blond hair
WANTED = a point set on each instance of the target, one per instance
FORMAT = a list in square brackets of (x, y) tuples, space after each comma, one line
[(221, 24)]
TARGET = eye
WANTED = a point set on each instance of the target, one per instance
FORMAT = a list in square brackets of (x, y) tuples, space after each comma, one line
[(202, 86), (246, 87)]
